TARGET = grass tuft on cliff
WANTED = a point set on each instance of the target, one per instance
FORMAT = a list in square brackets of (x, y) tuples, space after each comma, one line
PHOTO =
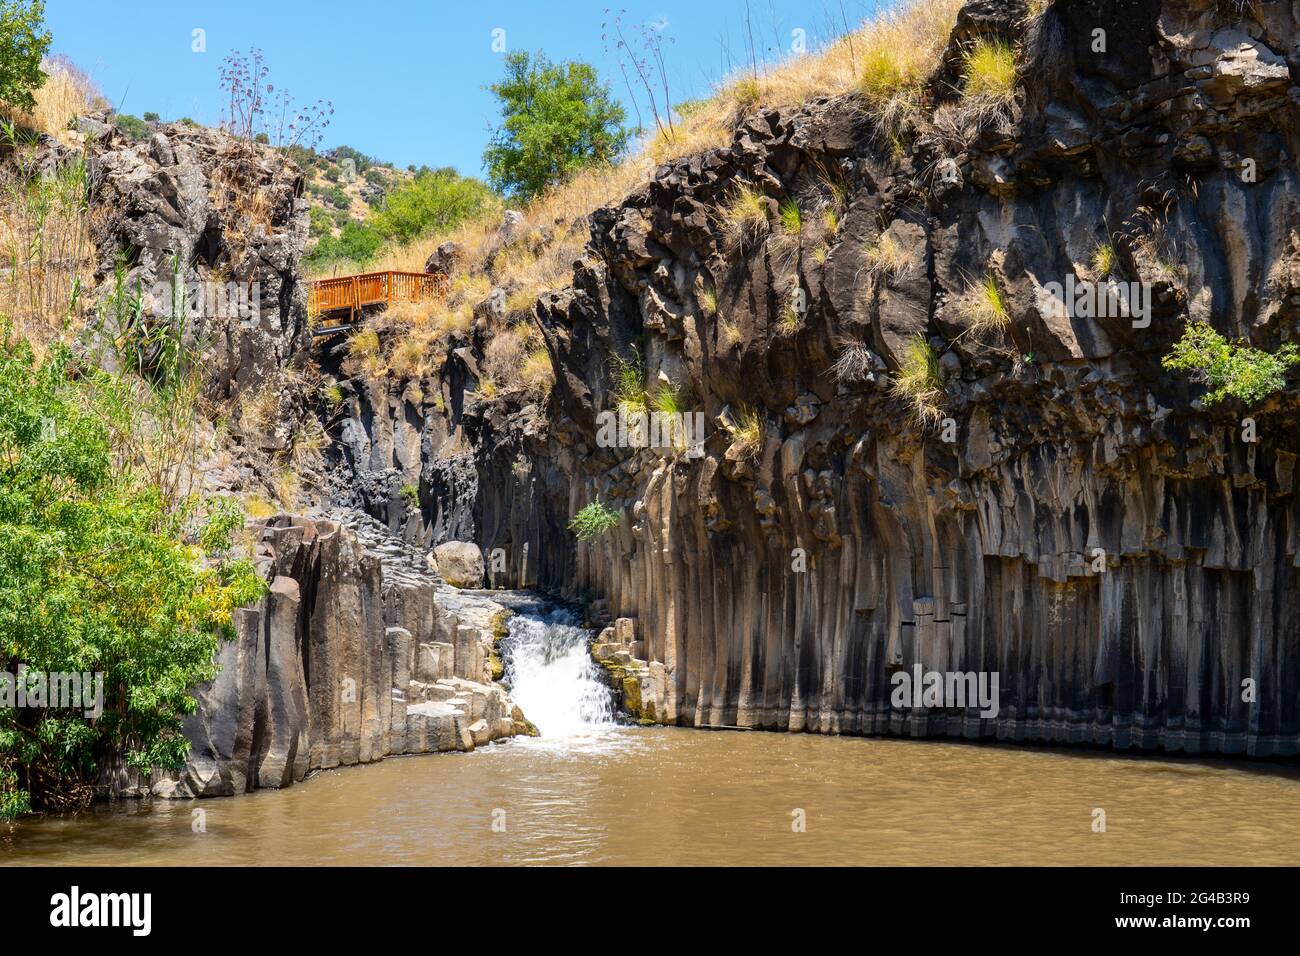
[(990, 73), (1103, 260), (1230, 370), (745, 216), (984, 306), (888, 257), (920, 381), (746, 432)]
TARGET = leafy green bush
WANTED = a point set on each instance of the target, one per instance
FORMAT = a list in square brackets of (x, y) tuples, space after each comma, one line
[(23, 44), (1230, 370), (357, 242), (320, 222), (436, 199), (99, 573), (555, 119), (593, 520), (132, 126)]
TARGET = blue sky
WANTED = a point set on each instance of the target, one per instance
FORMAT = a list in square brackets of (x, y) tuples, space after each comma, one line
[(407, 79)]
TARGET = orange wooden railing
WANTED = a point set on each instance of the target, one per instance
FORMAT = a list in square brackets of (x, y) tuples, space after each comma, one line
[(327, 298)]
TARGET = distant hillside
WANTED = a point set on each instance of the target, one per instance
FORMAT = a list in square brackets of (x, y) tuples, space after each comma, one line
[(343, 186)]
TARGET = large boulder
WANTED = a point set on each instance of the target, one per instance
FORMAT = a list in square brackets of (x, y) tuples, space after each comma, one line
[(460, 563)]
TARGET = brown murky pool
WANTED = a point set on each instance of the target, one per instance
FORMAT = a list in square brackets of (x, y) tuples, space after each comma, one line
[(674, 796)]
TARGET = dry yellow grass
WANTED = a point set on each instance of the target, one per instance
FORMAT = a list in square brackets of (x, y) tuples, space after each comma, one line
[(407, 358), (728, 333), (888, 257), (885, 60), (504, 357), (258, 508), (66, 94), (537, 374)]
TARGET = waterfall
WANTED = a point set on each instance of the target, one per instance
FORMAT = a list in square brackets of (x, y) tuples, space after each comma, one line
[(551, 675)]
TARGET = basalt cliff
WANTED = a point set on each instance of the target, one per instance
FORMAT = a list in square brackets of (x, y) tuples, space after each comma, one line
[(1074, 518), (1061, 511)]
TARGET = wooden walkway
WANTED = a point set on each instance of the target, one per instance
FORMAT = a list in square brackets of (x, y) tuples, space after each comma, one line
[(335, 304)]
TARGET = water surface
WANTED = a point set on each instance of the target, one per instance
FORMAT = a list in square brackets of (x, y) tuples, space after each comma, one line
[(590, 791), (676, 796)]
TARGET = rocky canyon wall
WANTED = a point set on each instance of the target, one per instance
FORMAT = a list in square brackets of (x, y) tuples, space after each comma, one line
[(1075, 518)]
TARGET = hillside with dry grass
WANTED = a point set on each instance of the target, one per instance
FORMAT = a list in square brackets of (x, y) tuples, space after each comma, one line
[(880, 68)]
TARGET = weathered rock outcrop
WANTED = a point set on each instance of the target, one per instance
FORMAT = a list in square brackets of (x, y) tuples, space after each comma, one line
[(198, 231), (194, 205), (1123, 556), (352, 656)]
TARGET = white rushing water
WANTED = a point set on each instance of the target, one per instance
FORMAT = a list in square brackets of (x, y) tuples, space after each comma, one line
[(551, 675)]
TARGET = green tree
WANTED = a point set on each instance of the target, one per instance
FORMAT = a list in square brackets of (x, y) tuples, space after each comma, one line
[(23, 43), (98, 573), (433, 201), (555, 119)]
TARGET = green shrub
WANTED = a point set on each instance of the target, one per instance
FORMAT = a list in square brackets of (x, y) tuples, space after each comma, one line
[(1236, 371), (555, 119), (434, 201), (320, 222), (99, 572), (593, 521), (132, 127), (357, 242), (23, 44)]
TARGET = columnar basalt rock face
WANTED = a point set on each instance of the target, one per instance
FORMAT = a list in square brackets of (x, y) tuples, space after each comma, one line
[(348, 659), (1121, 555)]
